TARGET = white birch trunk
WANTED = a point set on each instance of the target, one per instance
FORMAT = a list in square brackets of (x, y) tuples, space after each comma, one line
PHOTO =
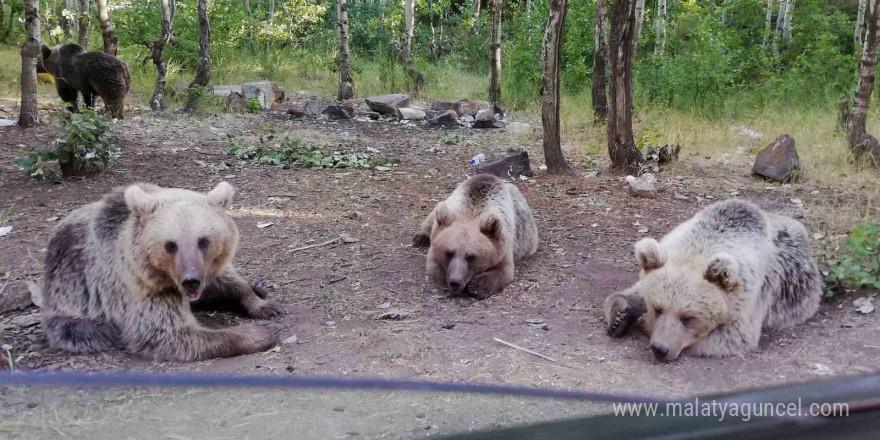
[(786, 30), (639, 19), (860, 20), (768, 23), (660, 42)]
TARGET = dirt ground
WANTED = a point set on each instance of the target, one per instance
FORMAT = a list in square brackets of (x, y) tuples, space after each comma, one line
[(335, 293)]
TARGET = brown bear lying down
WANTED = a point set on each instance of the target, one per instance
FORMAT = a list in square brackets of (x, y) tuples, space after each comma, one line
[(714, 282), (122, 273), (476, 236)]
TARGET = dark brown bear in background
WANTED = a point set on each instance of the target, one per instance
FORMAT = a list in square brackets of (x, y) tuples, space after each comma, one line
[(89, 73)]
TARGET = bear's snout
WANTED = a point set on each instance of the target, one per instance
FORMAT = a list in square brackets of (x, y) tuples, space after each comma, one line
[(191, 284), (660, 351)]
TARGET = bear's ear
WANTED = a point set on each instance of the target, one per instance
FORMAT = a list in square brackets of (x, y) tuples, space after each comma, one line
[(722, 271), (442, 216), (47, 51), (649, 255), (491, 227), (139, 201), (221, 196)]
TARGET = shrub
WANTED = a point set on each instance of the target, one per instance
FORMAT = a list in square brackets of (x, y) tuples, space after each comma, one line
[(857, 265), (253, 105), (83, 147), (300, 153)]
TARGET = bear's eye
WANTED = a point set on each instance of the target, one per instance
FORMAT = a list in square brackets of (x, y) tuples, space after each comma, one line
[(450, 255), (686, 320), (658, 310), (170, 247), (203, 243), (470, 258)]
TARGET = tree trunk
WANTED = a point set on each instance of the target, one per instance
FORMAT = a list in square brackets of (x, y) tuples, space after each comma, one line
[(553, 156), (247, 7), (857, 118), (723, 12), (111, 44), (621, 145), (860, 21), (495, 55), (600, 57), (29, 115), (203, 72), (271, 17), (84, 21), (346, 82), (157, 102), (660, 42), (786, 25), (66, 21), (2, 13), (640, 18), (475, 24), (409, 9), (780, 19), (768, 22)]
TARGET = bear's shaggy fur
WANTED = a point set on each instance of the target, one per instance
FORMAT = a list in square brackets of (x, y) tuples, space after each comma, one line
[(477, 234), (122, 272), (714, 282), (89, 73)]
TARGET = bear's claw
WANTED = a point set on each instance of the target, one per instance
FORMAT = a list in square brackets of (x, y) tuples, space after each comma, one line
[(261, 288), (622, 321)]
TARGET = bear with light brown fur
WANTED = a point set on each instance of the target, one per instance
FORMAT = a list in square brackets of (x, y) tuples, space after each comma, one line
[(716, 281), (477, 235), (123, 273)]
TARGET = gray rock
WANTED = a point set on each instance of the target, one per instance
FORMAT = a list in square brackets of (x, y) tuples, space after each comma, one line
[(313, 108), (442, 106), (224, 90), (27, 320), (643, 186), (778, 161), (678, 196), (410, 114), (518, 127), (339, 112), (235, 103), (446, 119), (264, 91), (512, 165), (486, 119), (868, 148), (467, 118), (388, 104), (468, 107)]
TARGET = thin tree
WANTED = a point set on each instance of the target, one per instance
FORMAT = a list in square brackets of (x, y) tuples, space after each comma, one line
[(29, 115), (640, 19), (409, 14), (621, 145), (780, 19), (203, 72), (66, 21), (768, 22), (111, 44), (600, 61), (475, 23), (786, 24), (660, 26), (860, 21), (84, 21), (495, 55), (2, 12), (346, 82), (271, 17), (855, 119), (157, 102), (553, 156)]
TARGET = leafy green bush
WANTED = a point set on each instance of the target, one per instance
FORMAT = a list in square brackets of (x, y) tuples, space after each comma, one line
[(253, 105), (453, 138), (83, 147), (857, 265), (300, 153)]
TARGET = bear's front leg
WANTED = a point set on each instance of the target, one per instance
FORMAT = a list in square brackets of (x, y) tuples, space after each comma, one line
[(491, 281), (622, 310), (196, 343), (67, 94), (228, 284)]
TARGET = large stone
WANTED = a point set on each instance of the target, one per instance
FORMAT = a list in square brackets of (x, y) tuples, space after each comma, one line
[(264, 91), (338, 112), (313, 108), (468, 107), (235, 103), (868, 149), (387, 104), (512, 165), (778, 161), (442, 105), (224, 90), (410, 114), (486, 119), (446, 119)]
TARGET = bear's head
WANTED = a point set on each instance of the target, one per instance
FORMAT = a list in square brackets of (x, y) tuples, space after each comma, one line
[(463, 249), (182, 238), (685, 301), (51, 57)]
